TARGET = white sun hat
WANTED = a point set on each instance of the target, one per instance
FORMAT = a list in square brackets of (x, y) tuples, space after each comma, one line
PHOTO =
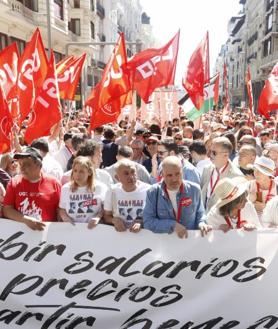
[(229, 189), (265, 165)]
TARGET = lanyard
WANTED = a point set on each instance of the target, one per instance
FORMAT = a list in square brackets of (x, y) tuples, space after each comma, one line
[(269, 195), (212, 186), (180, 205), (239, 222)]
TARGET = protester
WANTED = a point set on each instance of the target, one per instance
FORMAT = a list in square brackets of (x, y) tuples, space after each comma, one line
[(263, 188), (174, 205), (65, 152), (82, 198), (199, 156), (125, 201), (221, 167), (233, 210), (31, 197)]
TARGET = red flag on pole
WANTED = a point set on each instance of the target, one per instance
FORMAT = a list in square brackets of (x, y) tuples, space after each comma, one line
[(216, 90), (111, 93), (47, 108), (153, 68), (8, 68), (268, 100), (31, 74), (250, 92), (62, 65), (197, 74), (6, 124), (69, 76)]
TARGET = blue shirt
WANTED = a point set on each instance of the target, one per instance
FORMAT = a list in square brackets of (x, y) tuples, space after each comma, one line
[(158, 214)]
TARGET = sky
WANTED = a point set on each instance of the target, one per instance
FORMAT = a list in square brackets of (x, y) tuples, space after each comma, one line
[(193, 18)]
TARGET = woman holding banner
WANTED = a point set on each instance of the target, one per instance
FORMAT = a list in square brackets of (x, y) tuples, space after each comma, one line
[(233, 210)]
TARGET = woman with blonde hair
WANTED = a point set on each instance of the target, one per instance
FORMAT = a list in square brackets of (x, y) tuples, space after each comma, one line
[(82, 198)]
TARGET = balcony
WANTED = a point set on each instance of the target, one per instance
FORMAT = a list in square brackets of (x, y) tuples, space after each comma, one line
[(269, 61), (18, 8), (100, 10)]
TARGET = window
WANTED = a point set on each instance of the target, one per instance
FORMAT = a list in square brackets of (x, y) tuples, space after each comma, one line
[(267, 47), (58, 56), (3, 41), (92, 30), (76, 3), (269, 22), (74, 26), (30, 4), (20, 44), (92, 5), (59, 9)]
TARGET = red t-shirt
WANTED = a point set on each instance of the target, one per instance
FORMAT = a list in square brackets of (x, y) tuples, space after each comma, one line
[(39, 200)]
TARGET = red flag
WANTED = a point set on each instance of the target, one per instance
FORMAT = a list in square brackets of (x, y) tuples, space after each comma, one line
[(111, 93), (8, 68), (69, 76), (153, 68), (197, 74), (60, 66), (47, 109), (216, 90), (268, 100), (6, 124), (226, 87), (31, 74)]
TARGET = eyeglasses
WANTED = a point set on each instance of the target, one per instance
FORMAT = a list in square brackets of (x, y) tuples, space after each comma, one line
[(161, 152), (178, 138)]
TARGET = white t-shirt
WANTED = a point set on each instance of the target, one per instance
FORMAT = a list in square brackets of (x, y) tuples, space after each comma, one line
[(126, 205), (82, 205), (173, 198)]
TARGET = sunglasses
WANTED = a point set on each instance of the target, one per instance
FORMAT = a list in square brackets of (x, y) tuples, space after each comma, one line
[(178, 138), (151, 143)]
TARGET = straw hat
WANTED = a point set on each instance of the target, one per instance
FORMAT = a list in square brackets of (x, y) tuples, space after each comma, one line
[(265, 165), (229, 189)]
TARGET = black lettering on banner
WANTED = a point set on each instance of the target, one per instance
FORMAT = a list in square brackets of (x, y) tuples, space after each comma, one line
[(132, 261), (93, 294), (230, 324), (33, 251), (167, 293), (168, 324), (28, 315), (7, 316), (60, 248), (21, 279), (248, 264), (51, 283), (77, 288), (205, 268), (268, 322), (182, 265), (79, 257), (219, 266), (138, 290), (133, 321), (162, 267), (20, 247), (122, 292), (107, 267)]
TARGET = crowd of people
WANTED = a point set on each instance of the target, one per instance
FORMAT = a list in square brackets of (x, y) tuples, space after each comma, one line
[(138, 175)]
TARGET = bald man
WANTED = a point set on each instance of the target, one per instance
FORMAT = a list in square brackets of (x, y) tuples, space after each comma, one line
[(174, 205)]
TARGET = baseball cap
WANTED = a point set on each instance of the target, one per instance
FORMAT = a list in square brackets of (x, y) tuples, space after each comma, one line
[(28, 152)]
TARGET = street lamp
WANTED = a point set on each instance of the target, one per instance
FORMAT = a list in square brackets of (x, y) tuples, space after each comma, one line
[(49, 41)]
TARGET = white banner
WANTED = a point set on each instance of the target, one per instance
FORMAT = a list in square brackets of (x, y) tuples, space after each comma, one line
[(70, 277)]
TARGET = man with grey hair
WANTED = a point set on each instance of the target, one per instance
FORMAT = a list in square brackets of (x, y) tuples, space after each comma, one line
[(174, 205), (125, 201), (125, 152), (137, 147)]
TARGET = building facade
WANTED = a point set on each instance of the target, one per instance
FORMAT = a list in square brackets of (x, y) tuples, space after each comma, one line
[(253, 42)]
